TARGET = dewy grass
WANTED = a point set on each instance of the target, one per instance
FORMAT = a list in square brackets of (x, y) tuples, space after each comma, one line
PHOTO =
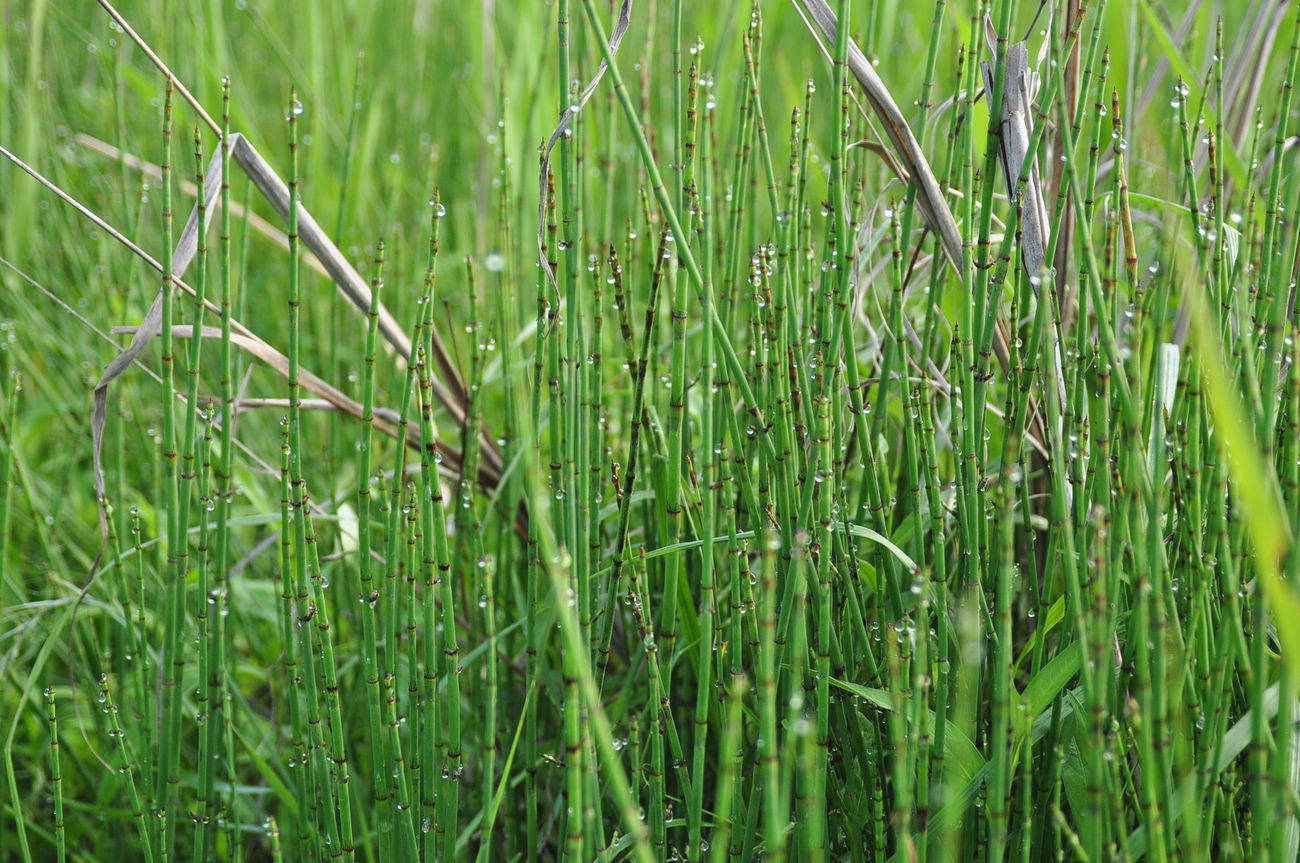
[(779, 519)]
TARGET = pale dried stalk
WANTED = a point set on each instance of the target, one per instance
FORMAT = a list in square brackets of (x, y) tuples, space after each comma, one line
[(1016, 127), (452, 395), (449, 389), (331, 261), (929, 197), (1015, 130), (237, 211), (331, 398), (566, 123)]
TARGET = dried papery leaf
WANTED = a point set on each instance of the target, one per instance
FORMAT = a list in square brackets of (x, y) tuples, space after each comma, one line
[(449, 389), (276, 360), (250, 403), (149, 169), (105, 337), (336, 266), (929, 197), (885, 156), (566, 121), (1016, 128), (385, 419), (186, 248), (353, 287)]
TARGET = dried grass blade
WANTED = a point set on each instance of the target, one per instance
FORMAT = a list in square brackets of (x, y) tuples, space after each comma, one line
[(566, 121), (237, 211), (338, 267), (386, 420), (929, 196), (449, 388), (162, 67), (150, 327), (1016, 129)]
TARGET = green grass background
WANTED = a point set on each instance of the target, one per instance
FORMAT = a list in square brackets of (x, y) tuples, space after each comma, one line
[(401, 98)]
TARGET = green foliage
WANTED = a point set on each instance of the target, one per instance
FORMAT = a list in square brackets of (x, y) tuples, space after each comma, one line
[(758, 522)]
